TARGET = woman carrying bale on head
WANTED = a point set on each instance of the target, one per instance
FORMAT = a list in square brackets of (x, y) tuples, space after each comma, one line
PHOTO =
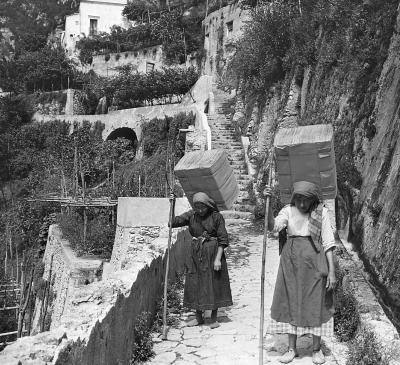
[(207, 284), (303, 301)]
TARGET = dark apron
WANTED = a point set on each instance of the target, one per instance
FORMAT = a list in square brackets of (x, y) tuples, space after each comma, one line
[(300, 296)]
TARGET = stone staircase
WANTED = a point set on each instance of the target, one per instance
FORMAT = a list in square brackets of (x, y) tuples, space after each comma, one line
[(223, 137)]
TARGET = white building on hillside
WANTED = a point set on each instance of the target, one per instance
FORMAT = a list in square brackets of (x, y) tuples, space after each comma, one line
[(94, 16)]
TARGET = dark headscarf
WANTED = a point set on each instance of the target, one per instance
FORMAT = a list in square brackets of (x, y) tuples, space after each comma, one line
[(307, 189), (310, 190), (203, 198)]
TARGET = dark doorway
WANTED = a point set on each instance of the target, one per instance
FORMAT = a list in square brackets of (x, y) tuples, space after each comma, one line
[(126, 133)]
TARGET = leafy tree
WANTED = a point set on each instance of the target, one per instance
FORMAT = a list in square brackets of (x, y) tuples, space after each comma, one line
[(259, 59), (31, 22), (141, 10), (178, 30), (48, 68)]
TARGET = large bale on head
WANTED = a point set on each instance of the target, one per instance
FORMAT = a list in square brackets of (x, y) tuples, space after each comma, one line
[(209, 172), (306, 154)]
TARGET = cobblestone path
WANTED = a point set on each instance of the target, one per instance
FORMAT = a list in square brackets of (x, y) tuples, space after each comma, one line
[(235, 342)]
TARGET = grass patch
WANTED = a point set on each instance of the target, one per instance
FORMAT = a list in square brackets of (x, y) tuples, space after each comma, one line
[(174, 304), (347, 316), (366, 350), (143, 345), (100, 233)]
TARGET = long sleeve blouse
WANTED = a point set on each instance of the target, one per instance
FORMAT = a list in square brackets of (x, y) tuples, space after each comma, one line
[(213, 224), (297, 222)]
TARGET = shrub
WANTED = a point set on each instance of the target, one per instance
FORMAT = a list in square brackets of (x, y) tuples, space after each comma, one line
[(346, 317), (174, 304), (100, 233), (161, 142), (143, 345), (366, 350)]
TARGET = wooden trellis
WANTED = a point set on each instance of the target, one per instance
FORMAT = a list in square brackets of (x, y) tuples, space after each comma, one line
[(17, 294)]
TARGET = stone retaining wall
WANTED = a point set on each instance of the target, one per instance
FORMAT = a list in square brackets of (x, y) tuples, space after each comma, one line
[(372, 314), (96, 325), (65, 271)]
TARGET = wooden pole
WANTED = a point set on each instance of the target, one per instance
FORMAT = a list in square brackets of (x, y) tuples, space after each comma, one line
[(24, 305), (6, 258), (265, 241), (45, 303), (21, 299), (11, 255), (84, 225), (30, 315), (171, 214), (16, 257), (76, 181)]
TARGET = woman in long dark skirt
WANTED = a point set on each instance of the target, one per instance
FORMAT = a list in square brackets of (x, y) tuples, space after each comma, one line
[(207, 284), (303, 302)]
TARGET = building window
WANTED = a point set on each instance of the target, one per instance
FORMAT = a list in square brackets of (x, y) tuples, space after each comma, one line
[(229, 27), (149, 67), (93, 27)]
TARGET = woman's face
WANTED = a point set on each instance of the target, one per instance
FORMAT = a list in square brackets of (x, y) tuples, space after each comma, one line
[(302, 203), (201, 209)]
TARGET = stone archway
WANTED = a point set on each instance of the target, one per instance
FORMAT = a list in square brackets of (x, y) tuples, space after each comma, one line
[(127, 133)]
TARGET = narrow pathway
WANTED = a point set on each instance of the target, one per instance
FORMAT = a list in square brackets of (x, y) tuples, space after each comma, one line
[(235, 342)]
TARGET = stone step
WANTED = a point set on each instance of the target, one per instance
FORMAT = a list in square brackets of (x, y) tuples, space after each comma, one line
[(226, 145), (224, 133), (223, 130), (244, 208), (224, 140), (237, 167), (218, 125), (243, 178), (227, 137), (235, 150), (234, 214), (228, 128), (224, 137)]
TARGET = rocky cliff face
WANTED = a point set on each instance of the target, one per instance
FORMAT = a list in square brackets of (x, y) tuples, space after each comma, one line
[(377, 214), (361, 99), (354, 84)]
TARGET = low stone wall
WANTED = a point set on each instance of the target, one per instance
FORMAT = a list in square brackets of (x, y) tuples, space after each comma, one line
[(194, 102), (371, 311), (139, 222), (141, 60), (96, 326), (66, 272)]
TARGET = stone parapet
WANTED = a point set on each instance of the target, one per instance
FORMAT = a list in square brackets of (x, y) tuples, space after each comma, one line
[(369, 303), (65, 272), (96, 325)]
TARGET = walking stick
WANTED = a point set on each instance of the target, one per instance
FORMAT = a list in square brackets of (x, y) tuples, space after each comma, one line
[(171, 214), (265, 240), (165, 328)]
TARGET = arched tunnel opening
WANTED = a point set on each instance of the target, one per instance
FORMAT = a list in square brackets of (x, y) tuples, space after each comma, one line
[(127, 133)]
